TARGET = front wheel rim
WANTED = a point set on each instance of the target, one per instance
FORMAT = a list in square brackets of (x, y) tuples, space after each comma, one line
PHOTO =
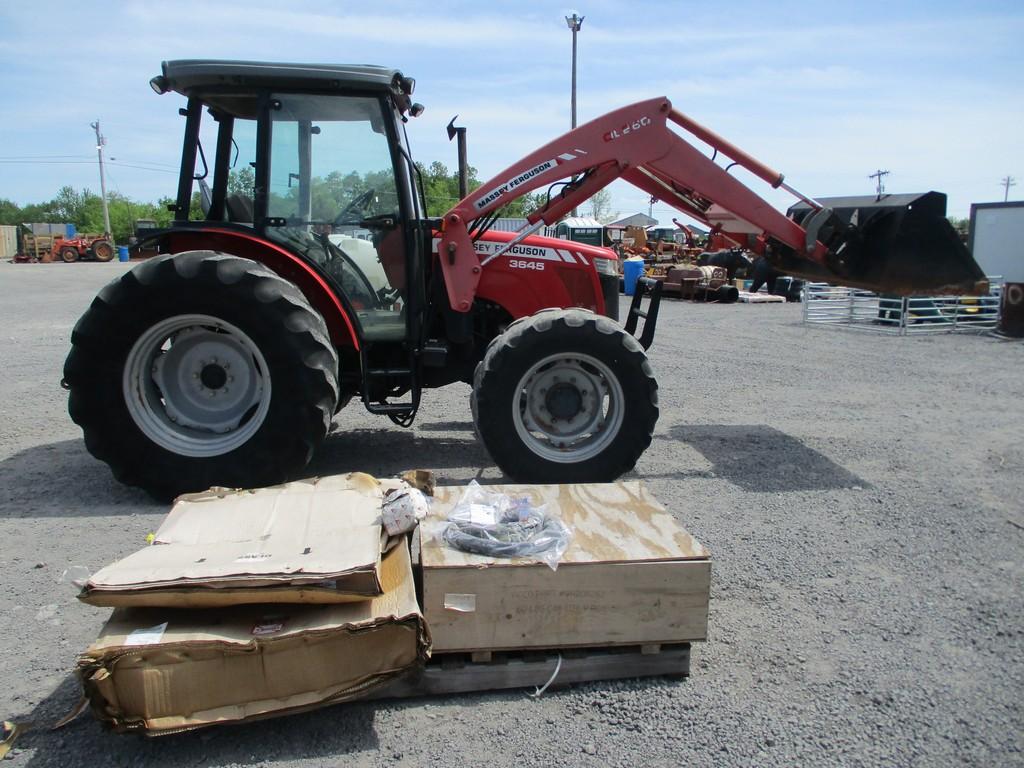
[(196, 385), (568, 408)]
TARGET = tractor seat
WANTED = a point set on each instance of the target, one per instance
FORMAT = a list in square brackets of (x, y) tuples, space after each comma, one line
[(240, 208)]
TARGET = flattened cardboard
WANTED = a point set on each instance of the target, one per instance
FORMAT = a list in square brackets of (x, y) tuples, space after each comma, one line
[(632, 575), (164, 670), (311, 541)]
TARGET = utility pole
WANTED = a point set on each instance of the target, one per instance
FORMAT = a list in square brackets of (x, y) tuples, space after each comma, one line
[(879, 187), (574, 23), (1007, 182), (100, 141)]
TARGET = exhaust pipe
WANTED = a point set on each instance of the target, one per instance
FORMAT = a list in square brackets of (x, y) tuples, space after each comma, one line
[(896, 244)]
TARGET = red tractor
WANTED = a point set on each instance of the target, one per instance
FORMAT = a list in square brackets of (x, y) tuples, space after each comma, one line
[(315, 276), (94, 247)]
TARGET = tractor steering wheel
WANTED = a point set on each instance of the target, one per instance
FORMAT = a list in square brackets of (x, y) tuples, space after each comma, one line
[(355, 208)]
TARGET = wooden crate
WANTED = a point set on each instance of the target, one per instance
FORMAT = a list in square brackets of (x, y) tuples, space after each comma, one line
[(631, 576)]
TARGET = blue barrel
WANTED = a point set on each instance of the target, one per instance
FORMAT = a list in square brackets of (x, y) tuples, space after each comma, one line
[(122, 253), (632, 269), (69, 230)]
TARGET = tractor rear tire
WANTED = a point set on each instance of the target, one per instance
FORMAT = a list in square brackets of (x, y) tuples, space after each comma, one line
[(102, 250), (565, 396), (201, 369), (69, 255)]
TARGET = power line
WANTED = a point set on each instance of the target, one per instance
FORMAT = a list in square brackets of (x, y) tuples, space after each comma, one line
[(120, 164), (29, 158), (89, 162), (122, 159), (47, 162)]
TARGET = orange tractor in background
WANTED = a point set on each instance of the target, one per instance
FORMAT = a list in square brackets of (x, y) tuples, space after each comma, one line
[(47, 248)]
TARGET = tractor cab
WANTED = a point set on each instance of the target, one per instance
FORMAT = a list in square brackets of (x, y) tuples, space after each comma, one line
[(313, 159)]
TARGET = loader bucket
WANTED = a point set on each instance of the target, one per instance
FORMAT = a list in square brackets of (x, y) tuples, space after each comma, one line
[(895, 244)]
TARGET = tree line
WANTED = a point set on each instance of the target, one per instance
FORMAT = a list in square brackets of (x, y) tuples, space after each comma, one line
[(84, 208)]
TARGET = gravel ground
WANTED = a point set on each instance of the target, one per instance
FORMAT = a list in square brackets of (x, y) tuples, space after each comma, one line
[(861, 495)]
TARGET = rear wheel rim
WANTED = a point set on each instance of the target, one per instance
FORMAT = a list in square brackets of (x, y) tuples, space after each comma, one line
[(196, 385), (568, 408)]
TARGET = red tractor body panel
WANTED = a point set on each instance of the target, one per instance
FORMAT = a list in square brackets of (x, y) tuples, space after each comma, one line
[(540, 272)]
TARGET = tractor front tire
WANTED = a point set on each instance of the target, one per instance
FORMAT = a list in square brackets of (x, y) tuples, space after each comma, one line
[(201, 369), (69, 255), (102, 250), (565, 396)]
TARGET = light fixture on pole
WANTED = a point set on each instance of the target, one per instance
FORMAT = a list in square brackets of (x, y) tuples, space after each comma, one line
[(574, 23)]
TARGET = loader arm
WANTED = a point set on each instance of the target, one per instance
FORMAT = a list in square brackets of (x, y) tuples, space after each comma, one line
[(636, 144)]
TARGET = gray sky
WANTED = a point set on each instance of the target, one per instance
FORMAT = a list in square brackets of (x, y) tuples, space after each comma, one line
[(824, 93)]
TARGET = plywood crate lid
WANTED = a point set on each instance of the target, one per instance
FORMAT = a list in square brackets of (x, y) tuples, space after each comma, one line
[(610, 522)]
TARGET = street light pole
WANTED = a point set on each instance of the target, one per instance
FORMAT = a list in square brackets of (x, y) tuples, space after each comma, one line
[(574, 23), (100, 141)]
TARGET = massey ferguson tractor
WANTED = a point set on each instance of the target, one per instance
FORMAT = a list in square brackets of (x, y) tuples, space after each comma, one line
[(315, 276)]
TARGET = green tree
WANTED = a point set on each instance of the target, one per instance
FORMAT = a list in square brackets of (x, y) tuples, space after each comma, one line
[(9, 212), (601, 206), (441, 190), (242, 181), (441, 186)]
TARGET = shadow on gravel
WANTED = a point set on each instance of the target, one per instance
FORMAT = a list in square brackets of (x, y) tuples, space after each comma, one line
[(330, 734), (446, 426), (386, 452), (764, 460), (63, 480), (335, 735)]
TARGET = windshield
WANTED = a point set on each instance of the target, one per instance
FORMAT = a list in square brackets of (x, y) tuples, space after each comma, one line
[(333, 193), (330, 161)]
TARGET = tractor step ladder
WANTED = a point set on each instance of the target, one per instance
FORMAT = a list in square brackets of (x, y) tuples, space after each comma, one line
[(401, 374)]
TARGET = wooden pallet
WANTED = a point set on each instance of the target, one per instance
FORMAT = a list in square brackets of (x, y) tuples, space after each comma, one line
[(452, 673)]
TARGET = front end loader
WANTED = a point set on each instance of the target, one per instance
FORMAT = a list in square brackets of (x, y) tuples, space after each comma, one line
[(314, 276)]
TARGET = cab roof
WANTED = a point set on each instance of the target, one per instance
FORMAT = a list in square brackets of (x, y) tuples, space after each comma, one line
[(202, 77)]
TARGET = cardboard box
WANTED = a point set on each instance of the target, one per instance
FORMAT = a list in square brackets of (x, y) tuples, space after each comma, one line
[(163, 670), (631, 576), (311, 541)]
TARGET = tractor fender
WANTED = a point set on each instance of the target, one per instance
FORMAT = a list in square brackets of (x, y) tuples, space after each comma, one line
[(289, 266)]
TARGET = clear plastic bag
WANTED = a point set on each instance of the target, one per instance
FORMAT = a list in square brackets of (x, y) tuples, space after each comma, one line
[(499, 525)]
